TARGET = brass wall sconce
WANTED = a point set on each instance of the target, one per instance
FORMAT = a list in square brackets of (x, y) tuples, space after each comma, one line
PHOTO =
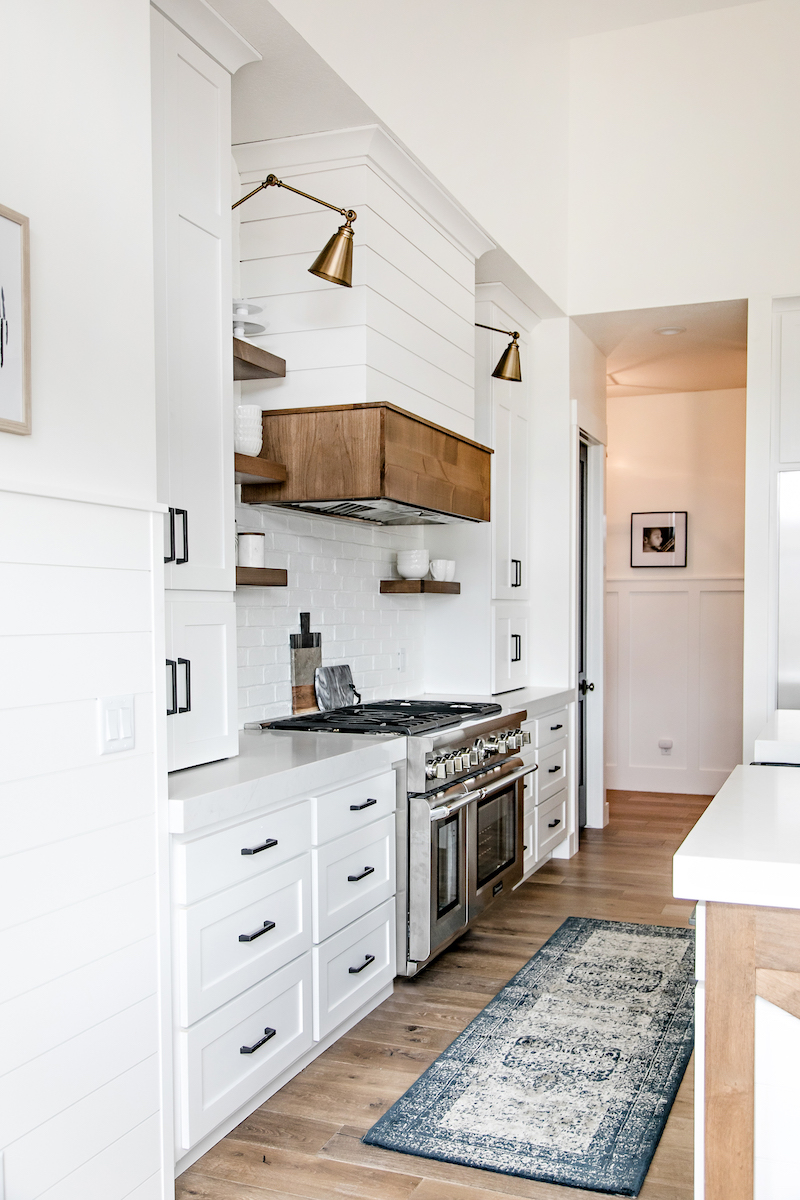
[(335, 261), (508, 367)]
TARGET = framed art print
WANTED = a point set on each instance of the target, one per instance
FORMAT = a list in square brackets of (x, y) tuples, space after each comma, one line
[(15, 322), (658, 539)]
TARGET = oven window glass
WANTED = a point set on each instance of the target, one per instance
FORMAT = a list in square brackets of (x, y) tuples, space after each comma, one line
[(497, 835), (447, 848)]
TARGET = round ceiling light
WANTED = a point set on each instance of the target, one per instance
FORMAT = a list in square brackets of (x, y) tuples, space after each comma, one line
[(668, 330)]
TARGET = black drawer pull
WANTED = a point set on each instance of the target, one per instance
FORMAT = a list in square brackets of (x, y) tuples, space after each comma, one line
[(552, 824), (355, 878), (187, 707), (171, 556), (550, 771), (366, 804), (516, 656), (173, 666), (183, 558), (268, 1033), (356, 970), (517, 565), (555, 727), (251, 937), (268, 844)]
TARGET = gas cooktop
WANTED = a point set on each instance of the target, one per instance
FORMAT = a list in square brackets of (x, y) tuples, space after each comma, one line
[(410, 717)]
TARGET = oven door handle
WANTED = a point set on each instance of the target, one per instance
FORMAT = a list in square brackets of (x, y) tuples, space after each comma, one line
[(491, 789)]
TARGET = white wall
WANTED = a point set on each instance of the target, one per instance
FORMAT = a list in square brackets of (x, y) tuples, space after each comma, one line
[(681, 186), (674, 636), (335, 568), (80, 1084)]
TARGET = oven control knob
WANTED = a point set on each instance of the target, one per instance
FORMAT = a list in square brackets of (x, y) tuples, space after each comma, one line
[(526, 737), (515, 741), (441, 769), (476, 754), (430, 769), (449, 766), (502, 745)]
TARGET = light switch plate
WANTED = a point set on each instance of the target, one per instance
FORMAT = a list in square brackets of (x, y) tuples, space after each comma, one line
[(117, 730)]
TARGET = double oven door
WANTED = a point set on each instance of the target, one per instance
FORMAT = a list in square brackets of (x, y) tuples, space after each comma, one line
[(472, 853)]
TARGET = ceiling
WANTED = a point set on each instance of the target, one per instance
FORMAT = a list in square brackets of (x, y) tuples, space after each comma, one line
[(294, 90), (711, 355)]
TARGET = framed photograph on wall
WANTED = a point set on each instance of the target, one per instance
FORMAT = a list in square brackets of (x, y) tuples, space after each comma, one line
[(658, 539), (15, 323)]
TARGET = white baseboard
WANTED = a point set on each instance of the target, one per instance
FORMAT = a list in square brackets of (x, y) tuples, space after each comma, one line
[(656, 779)]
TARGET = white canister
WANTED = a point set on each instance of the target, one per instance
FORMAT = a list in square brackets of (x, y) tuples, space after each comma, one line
[(251, 548)]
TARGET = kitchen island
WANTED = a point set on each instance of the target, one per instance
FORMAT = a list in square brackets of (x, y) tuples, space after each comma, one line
[(742, 861)]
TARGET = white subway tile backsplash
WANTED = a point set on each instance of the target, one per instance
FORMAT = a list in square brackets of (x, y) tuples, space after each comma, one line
[(335, 569)]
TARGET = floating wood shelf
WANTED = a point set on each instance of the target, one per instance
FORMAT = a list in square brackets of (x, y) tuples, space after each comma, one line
[(248, 469), (407, 587), (261, 577), (251, 362)]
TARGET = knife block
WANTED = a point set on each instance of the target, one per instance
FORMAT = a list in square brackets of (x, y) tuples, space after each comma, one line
[(305, 651)]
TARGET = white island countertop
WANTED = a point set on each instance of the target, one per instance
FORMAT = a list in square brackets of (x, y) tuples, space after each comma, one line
[(536, 700), (745, 849), (274, 765)]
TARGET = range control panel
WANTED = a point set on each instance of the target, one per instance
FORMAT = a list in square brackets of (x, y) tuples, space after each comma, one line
[(470, 759)]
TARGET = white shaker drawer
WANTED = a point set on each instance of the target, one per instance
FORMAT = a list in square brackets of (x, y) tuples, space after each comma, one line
[(230, 941), (352, 875), (552, 774), (352, 966), (551, 823), (220, 860), (550, 728), (216, 1077), (352, 807)]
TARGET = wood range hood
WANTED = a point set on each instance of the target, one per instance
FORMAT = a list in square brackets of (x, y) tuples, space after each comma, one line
[(373, 462)]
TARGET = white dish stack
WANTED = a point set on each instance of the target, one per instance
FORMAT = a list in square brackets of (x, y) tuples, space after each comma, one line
[(247, 429)]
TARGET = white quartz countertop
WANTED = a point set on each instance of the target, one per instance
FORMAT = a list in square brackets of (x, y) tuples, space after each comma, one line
[(273, 766), (745, 849), (536, 700), (779, 740)]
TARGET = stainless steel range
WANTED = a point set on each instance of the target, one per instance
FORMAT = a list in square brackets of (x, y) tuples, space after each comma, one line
[(460, 829)]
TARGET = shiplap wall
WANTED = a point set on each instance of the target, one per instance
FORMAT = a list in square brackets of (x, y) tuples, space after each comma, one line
[(404, 332), (79, 1069)]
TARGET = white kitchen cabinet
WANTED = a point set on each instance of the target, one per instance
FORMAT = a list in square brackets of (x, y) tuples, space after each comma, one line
[(510, 503), (249, 1005), (194, 356), (200, 681), (510, 646)]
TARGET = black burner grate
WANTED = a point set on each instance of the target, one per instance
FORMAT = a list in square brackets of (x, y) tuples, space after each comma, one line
[(410, 717)]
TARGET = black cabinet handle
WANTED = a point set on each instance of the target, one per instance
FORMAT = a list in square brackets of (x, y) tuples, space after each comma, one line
[(553, 824), (187, 707), (517, 565), (355, 878), (370, 958), (553, 728), (171, 556), (552, 770), (268, 1033), (358, 807), (173, 666), (268, 844), (517, 640), (181, 512), (251, 937)]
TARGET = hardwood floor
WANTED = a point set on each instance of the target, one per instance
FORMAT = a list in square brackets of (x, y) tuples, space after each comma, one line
[(305, 1141)]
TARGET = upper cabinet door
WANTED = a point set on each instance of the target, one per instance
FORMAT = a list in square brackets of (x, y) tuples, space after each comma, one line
[(510, 491), (192, 255)]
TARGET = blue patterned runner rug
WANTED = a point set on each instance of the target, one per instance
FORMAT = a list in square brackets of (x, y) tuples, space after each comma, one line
[(569, 1073)]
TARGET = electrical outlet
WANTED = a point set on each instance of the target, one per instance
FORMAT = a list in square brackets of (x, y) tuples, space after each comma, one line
[(402, 660), (117, 731), (665, 745)]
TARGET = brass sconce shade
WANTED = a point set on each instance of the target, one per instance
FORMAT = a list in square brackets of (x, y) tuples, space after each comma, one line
[(335, 262), (508, 367)]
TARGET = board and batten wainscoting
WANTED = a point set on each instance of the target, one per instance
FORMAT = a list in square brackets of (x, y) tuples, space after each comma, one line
[(674, 636), (674, 671)]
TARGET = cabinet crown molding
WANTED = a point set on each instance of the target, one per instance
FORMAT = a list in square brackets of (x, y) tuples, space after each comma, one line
[(210, 31), (369, 144)]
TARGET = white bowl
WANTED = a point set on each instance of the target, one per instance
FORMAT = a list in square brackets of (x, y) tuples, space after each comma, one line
[(412, 564), (247, 443), (248, 412)]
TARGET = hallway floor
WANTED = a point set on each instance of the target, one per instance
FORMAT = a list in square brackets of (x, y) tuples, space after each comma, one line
[(309, 1132)]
